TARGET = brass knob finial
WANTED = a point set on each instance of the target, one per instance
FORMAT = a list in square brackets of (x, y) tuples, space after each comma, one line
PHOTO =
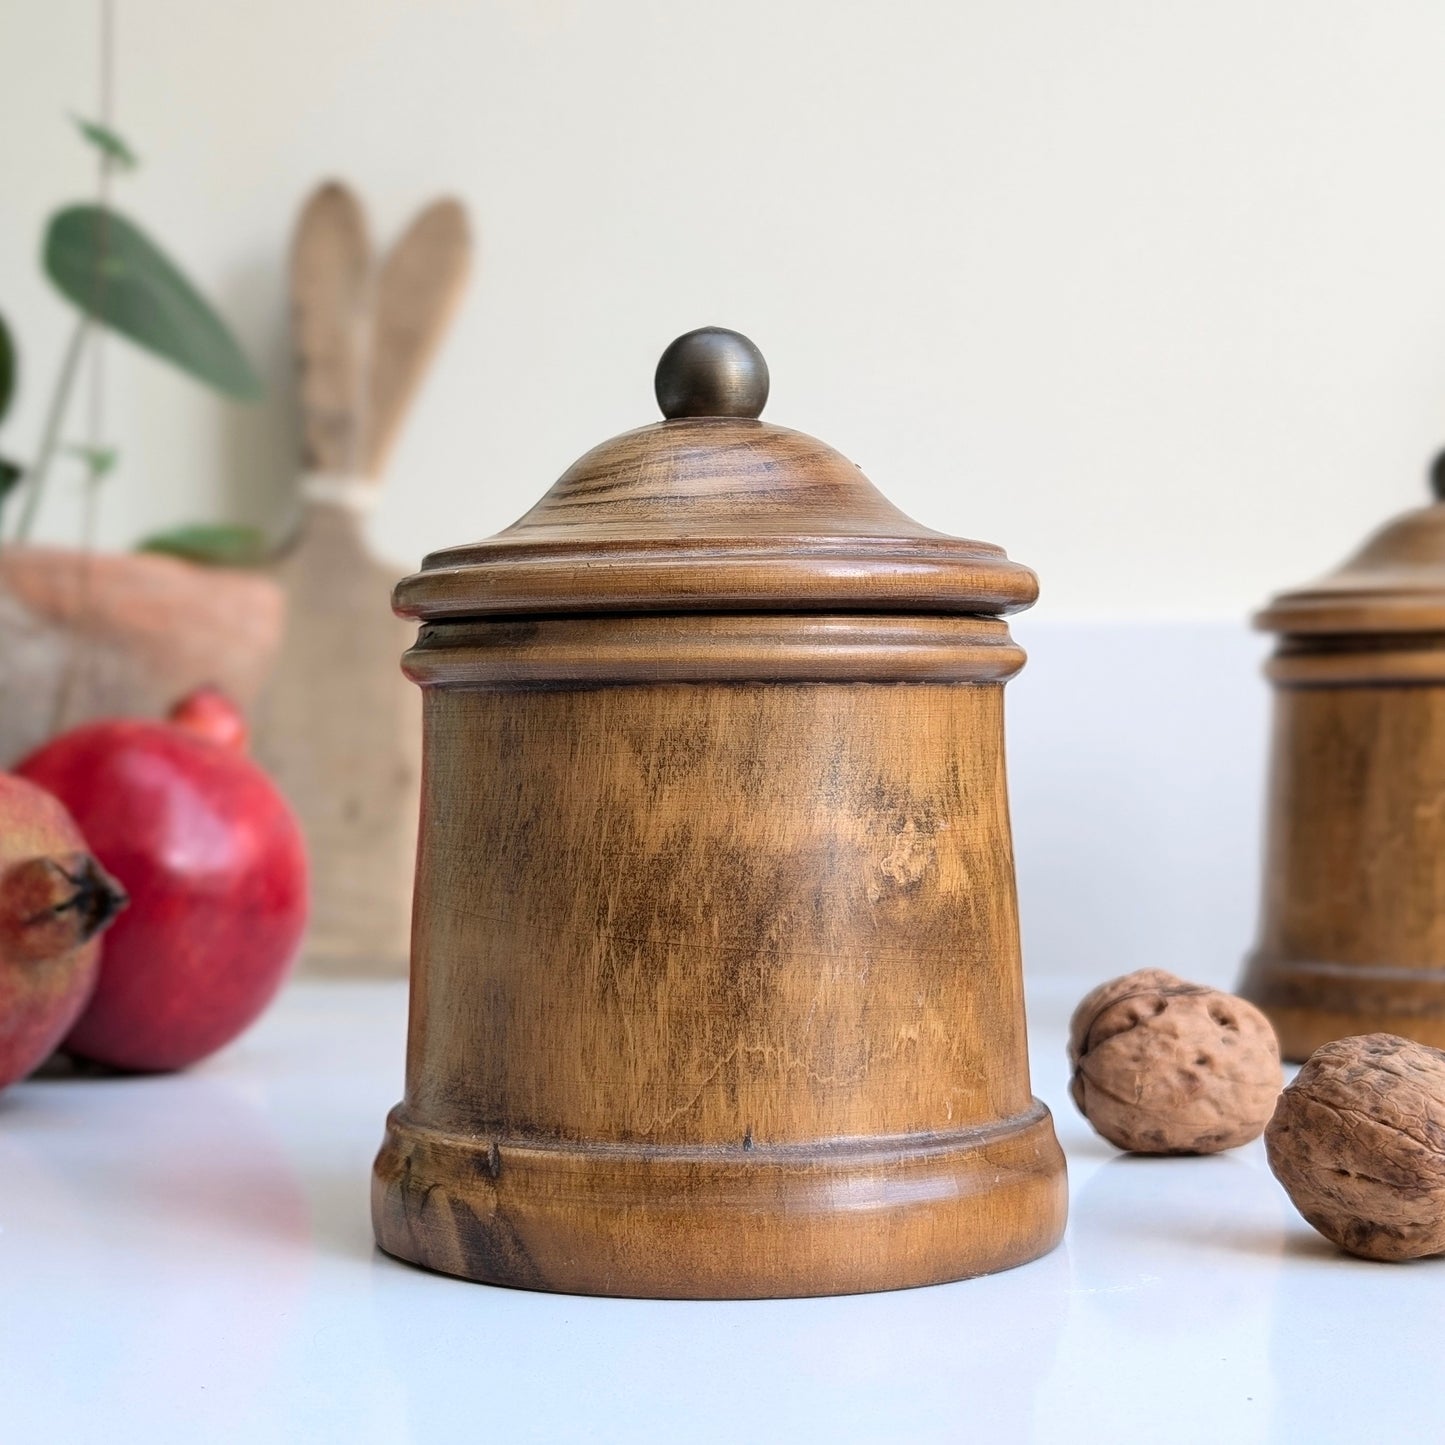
[(711, 372)]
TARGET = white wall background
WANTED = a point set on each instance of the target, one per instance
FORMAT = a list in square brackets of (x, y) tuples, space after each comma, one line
[(1151, 292), (1136, 775)]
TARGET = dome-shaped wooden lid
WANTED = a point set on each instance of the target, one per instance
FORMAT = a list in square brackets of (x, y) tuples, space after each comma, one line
[(714, 510), (1394, 583)]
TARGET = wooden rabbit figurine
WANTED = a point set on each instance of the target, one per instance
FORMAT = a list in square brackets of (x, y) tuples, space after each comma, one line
[(340, 727)]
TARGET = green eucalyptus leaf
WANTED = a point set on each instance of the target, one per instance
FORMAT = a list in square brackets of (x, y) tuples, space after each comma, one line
[(7, 368), (99, 461), (216, 544), (109, 268), (111, 145), (11, 475)]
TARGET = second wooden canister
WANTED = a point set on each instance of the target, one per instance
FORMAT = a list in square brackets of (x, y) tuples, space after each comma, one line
[(715, 961), (1352, 931)]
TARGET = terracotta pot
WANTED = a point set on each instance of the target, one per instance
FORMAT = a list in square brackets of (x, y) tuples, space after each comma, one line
[(101, 634)]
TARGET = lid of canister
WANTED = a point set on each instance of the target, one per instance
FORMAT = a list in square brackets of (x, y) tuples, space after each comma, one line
[(714, 510), (1395, 583)]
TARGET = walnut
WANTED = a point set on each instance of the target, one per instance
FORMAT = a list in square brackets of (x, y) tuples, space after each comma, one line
[(1161, 1066), (1358, 1141)]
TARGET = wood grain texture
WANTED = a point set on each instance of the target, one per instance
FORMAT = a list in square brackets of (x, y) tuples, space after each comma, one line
[(724, 1222), (715, 960), (1394, 583), (716, 992), (340, 730), (417, 293), (1352, 929), (330, 326), (1352, 935), (716, 514), (734, 647)]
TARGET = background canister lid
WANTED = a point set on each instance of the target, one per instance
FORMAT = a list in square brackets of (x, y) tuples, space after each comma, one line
[(1395, 583)]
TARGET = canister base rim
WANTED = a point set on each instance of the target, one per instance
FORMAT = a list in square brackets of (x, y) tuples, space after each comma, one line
[(1311, 1002), (836, 1217)]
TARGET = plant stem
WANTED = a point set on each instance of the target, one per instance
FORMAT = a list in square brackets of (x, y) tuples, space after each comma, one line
[(91, 501), (70, 363), (54, 420), (97, 350)]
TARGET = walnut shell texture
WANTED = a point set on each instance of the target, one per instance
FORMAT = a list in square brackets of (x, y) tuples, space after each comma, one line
[(1161, 1066), (1358, 1142)]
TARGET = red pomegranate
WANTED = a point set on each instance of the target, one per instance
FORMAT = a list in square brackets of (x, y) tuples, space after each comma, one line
[(216, 870), (54, 901)]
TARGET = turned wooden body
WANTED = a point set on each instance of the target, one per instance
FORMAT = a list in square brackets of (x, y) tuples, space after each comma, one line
[(716, 978), (1352, 931)]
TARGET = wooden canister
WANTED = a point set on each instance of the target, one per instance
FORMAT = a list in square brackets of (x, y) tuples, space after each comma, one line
[(1352, 931), (715, 961)]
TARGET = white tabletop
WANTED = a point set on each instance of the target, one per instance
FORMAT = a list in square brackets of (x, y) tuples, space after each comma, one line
[(189, 1259)]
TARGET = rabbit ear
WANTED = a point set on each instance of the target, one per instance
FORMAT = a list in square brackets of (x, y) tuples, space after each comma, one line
[(421, 282), (330, 304)]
